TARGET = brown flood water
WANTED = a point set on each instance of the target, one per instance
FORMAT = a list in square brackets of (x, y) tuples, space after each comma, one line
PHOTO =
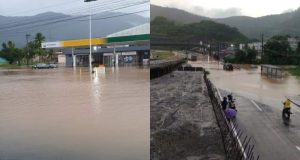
[(250, 83), (67, 114)]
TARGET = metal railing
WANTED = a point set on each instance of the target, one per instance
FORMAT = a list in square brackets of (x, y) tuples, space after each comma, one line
[(237, 146)]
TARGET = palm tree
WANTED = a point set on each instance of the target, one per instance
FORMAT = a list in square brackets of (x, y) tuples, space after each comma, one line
[(9, 51), (50, 54), (39, 38), (31, 50)]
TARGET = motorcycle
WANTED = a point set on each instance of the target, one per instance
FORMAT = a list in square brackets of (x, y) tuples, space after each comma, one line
[(286, 113)]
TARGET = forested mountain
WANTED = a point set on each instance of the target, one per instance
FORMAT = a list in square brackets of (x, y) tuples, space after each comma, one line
[(57, 26), (206, 30), (285, 23)]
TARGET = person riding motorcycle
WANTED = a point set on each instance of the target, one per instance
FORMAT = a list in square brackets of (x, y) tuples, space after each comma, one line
[(286, 109)]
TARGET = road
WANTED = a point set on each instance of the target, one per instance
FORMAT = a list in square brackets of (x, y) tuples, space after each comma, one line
[(273, 140), (259, 108)]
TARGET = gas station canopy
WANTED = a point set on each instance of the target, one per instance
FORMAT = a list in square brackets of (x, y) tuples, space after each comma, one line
[(96, 41)]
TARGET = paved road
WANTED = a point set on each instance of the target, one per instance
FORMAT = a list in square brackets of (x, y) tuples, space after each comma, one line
[(273, 140)]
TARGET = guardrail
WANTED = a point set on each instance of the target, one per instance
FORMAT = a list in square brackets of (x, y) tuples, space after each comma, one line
[(183, 68), (161, 67), (235, 148)]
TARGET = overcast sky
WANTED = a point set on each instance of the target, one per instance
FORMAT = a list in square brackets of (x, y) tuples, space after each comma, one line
[(33, 7), (226, 8)]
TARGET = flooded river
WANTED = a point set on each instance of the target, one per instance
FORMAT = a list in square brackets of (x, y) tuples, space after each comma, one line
[(250, 83), (67, 114)]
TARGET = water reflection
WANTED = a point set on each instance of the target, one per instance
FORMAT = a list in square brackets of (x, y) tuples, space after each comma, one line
[(69, 114)]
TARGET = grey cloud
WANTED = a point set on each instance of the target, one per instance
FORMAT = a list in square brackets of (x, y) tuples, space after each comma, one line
[(289, 10), (213, 13), (216, 13)]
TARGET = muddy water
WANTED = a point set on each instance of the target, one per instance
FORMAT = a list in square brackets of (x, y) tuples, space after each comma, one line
[(250, 83), (68, 114)]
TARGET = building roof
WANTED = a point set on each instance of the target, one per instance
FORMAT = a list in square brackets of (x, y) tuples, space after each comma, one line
[(270, 66), (137, 33), (141, 29)]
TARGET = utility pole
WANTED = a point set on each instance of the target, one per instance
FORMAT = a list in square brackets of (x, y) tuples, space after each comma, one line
[(218, 55), (262, 45), (90, 19), (27, 57)]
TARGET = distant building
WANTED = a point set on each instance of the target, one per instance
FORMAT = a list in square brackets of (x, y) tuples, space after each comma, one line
[(256, 45), (293, 42), (226, 52)]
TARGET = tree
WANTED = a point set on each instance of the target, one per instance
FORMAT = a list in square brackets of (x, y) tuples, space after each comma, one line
[(50, 54), (39, 38), (31, 49), (251, 54), (298, 48), (240, 56), (246, 55), (277, 50), (19, 55), (9, 51)]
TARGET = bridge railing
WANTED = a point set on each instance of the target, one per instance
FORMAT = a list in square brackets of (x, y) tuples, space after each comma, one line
[(237, 146)]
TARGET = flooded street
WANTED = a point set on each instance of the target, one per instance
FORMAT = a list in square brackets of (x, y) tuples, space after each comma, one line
[(69, 115), (250, 83), (259, 104)]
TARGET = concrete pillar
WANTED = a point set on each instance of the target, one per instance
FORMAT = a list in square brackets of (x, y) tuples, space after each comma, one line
[(74, 60), (208, 58), (114, 55), (74, 57), (117, 59)]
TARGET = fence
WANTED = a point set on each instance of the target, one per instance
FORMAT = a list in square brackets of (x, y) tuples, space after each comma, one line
[(162, 67), (235, 149), (272, 71)]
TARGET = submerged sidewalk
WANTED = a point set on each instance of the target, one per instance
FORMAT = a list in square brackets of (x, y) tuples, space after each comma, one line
[(183, 124)]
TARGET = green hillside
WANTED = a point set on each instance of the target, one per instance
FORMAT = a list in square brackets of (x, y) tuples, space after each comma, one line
[(205, 30), (252, 27)]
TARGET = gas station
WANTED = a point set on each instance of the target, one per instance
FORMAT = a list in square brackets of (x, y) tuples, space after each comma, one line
[(119, 49)]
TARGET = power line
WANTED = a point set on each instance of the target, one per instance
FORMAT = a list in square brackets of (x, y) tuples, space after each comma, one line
[(108, 17), (70, 18), (81, 9), (126, 14)]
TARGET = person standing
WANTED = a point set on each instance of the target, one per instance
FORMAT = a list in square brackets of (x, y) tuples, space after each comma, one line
[(224, 103)]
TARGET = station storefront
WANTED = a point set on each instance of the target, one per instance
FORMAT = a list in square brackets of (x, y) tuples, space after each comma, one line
[(110, 51), (108, 59)]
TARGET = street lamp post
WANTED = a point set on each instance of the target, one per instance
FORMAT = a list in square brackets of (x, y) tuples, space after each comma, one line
[(90, 55), (27, 57), (208, 52)]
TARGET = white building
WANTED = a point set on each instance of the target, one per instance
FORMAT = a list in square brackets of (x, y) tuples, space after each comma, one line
[(293, 43), (256, 45)]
